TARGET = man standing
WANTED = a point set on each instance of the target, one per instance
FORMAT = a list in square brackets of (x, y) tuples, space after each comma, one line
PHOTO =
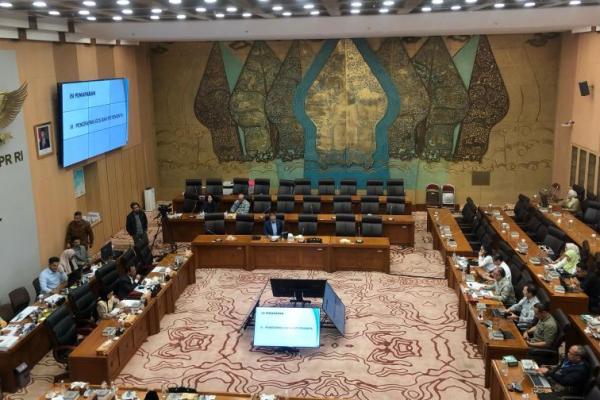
[(523, 312), (545, 331), (570, 376), (51, 278), (79, 229), (241, 205), (273, 226), (137, 225)]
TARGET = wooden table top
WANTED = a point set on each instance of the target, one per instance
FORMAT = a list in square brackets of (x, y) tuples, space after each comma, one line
[(293, 217), (336, 241), (580, 326), (537, 271), (575, 229), (445, 217), (500, 323), (298, 198), (515, 374)]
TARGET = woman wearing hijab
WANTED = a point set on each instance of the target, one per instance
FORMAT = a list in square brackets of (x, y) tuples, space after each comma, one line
[(68, 261), (571, 203), (569, 260)]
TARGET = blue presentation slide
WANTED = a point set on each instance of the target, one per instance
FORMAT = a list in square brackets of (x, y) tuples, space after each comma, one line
[(94, 118), (287, 327)]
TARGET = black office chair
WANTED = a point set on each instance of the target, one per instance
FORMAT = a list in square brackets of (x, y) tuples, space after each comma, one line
[(128, 259), (524, 280), (83, 303), (311, 204), (369, 205), (262, 203), (372, 226), (190, 202), (345, 225), (549, 356), (302, 186), (375, 188), (6, 312), (555, 243), (585, 253), (107, 275), (531, 226), (240, 185), (193, 185), (348, 187), (262, 186), (19, 299), (594, 366), (286, 187), (37, 287), (327, 187), (285, 203), (591, 215), (395, 187), (307, 224), (145, 261), (244, 224), (395, 205), (540, 234), (214, 187), (342, 204), (214, 223)]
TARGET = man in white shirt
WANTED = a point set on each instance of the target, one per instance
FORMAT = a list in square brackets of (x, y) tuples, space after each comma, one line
[(523, 312), (498, 262)]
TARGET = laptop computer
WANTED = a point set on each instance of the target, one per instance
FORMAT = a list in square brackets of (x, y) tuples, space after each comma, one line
[(538, 381)]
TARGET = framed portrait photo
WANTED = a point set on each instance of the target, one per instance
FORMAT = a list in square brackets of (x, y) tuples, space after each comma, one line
[(43, 139)]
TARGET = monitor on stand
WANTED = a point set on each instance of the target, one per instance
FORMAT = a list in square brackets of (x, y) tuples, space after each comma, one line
[(298, 289)]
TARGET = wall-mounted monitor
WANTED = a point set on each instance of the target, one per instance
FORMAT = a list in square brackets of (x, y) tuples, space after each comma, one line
[(92, 119)]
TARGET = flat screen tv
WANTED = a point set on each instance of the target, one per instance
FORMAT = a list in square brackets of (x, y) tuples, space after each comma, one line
[(334, 308), (287, 327), (92, 119)]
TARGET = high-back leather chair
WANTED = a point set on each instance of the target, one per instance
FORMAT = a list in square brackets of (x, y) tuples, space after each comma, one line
[(286, 187), (395, 187), (342, 204), (345, 225), (83, 302), (549, 356), (311, 204), (348, 187), (107, 275), (214, 223), (214, 186), (375, 188), (302, 187), (244, 224), (285, 203), (369, 205), (193, 186), (395, 205), (262, 186), (19, 299), (37, 287), (307, 224), (6, 312), (262, 203), (327, 187), (240, 185), (372, 226)]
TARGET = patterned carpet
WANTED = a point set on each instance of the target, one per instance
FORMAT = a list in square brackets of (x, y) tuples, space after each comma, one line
[(403, 338)]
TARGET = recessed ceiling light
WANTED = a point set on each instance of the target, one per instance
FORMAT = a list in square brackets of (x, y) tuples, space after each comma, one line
[(470, 1), (127, 11), (231, 9), (355, 11), (181, 16), (499, 5), (122, 2), (309, 6), (39, 4), (384, 10), (263, 1), (156, 11), (425, 9), (286, 14), (83, 12), (5, 4), (356, 4), (388, 3), (575, 2), (455, 7), (200, 9), (210, 1), (437, 2), (117, 18), (315, 12), (529, 4), (91, 18), (277, 8), (53, 12), (89, 3), (246, 15), (220, 15), (175, 1), (154, 17)]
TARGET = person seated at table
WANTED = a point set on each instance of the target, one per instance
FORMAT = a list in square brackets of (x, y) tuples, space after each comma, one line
[(498, 262), (210, 204), (569, 259), (522, 312), (589, 281), (502, 289), (544, 332), (241, 205), (485, 260), (67, 262), (571, 203), (52, 277), (570, 376), (81, 254), (127, 283), (106, 304), (554, 192), (273, 226)]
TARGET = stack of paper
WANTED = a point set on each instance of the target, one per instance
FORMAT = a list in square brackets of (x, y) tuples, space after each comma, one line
[(6, 342)]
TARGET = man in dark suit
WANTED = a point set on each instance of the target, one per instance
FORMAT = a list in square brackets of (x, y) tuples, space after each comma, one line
[(127, 283), (137, 225), (570, 376), (273, 226)]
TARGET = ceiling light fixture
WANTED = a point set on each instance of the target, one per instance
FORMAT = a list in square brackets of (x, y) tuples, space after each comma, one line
[(277, 8), (529, 4), (175, 1), (127, 11), (575, 2), (200, 9), (123, 2), (499, 5), (246, 15), (91, 18), (210, 1), (231, 9), (220, 15), (54, 13), (83, 12), (117, 18), (39, 4), (263, 1), (388, 3), (355, 11), (437, 2), (156, 11), (309, 6), (181, 16), (286, 14), (384, 10), (89, 3), (455, 7), (315, 13), (5, 4), (470, 1), (154, 17), (426, 9), (356, 4)]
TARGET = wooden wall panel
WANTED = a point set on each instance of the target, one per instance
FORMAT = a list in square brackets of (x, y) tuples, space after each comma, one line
[(87, 62), (106, 61)]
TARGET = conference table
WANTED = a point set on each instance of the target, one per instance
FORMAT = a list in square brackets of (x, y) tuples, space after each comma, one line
[(578, 335), (227, 200), (333, 253), (569, 302), (99, 358), (399, 229), (575, 229), (499, 382), (453, 240)]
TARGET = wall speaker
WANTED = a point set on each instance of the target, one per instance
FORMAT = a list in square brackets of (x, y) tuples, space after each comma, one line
[(584, 88)]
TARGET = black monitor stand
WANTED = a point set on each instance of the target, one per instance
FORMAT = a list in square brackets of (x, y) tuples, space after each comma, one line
[(299, 299)]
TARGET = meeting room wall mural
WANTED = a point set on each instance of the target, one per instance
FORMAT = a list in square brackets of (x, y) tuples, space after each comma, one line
[(426, 109)]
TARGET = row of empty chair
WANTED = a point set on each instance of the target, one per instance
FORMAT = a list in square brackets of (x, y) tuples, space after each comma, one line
[(345, 224), (395, 187)]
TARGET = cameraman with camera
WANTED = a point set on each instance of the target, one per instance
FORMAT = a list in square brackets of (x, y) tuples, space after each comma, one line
[(137, 225)]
